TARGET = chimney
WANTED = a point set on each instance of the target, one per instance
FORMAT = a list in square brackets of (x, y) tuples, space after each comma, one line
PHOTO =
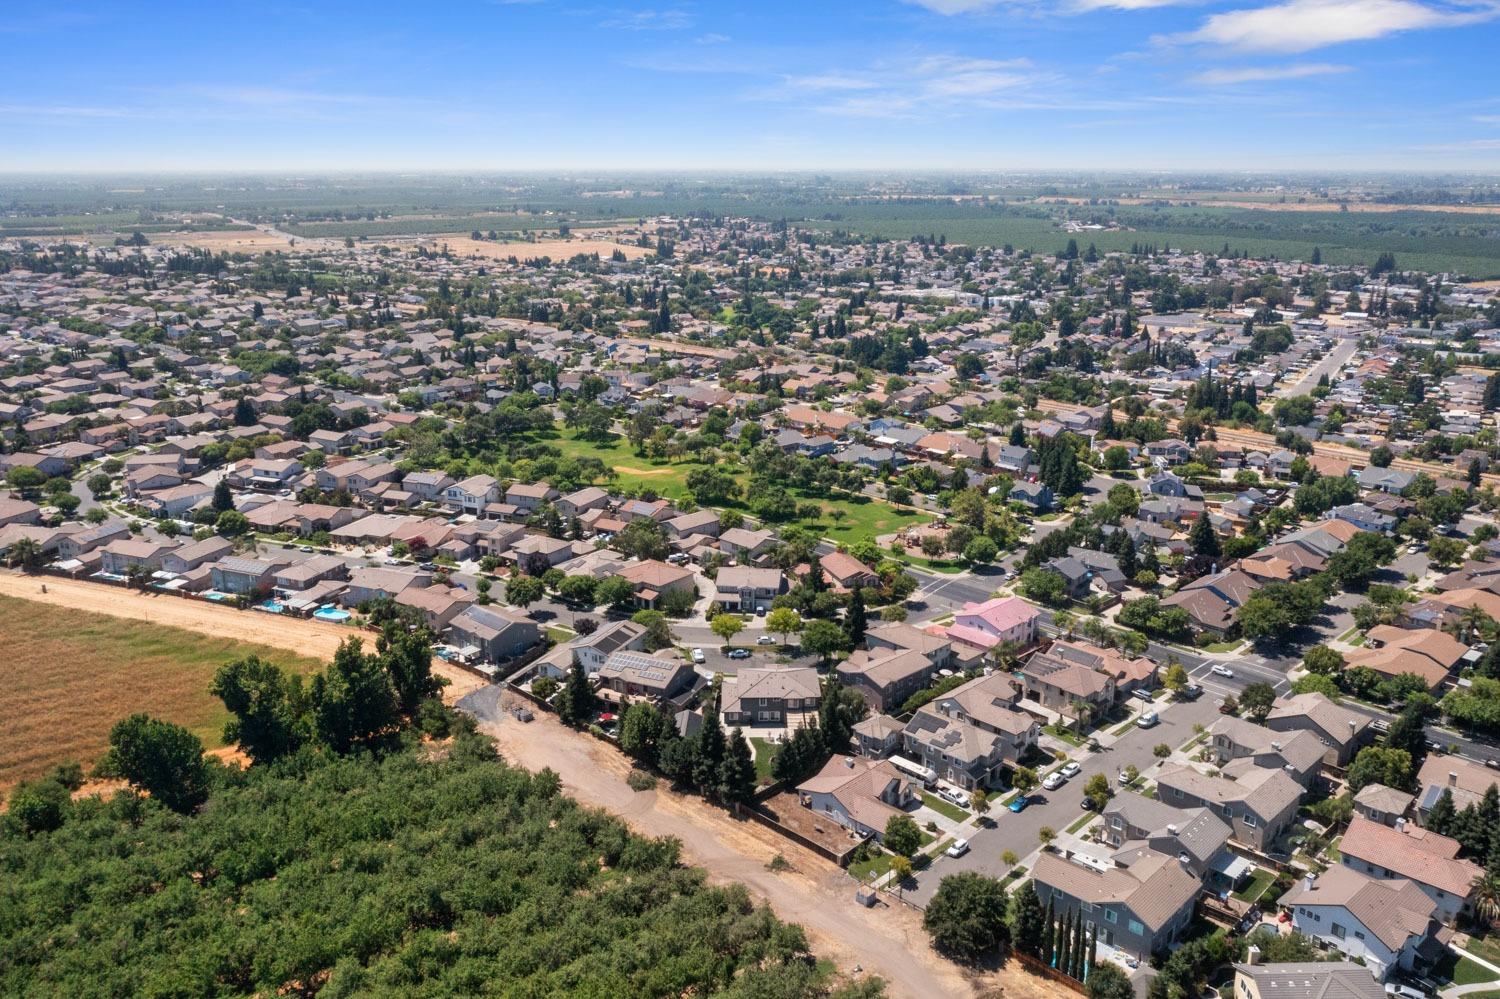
[(1453, 778), (1276, 745), (849, 762), (1252, 955), (1307, 882), (1171, 830), (1401, 825)]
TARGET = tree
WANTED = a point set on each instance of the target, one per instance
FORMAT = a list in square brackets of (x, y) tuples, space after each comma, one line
[(223, 499), (24, 479), (902, 835), (783, 621), (901, 869), (979, 800), (726, 626), (353, 701), (244, 412), (981, 551), (578, 590), (576, 704), (1025, 920), (1107, 981), (160, 758), (1377, 765), (98, 484), (39, 806), (854, 617), (658, 631), (407, 658), (1446, 552), (824, 638), (966, 917), (1044, 586), (1176, 678), (839, 710), (268, 708), (616, 591), (737, 771), (800, 755), (1024, 779), (25, 552), (232, 524), (712, 486), (523, 591), (1098, 792), (1257, 699), (1323, 660), (1203, 539), (709, 758), (1486, 895), (1409, 731)]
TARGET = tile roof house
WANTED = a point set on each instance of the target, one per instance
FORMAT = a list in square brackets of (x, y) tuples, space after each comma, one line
[(1465, 781), (493, 634), (1344, 731), (1383, 924), (653, 579), (1195, 835), (988, 702), (958, 752), (861, 795), (769, 696), (1211, 601), (1239, 742), (1140, 902), (641, 674), (988, 624), (1306, 980), (1426, 653), (1259, 805), (1405, 850), (1060, 686)]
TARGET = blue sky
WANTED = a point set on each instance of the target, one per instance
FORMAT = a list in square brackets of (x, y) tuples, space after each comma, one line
[(765, 84)]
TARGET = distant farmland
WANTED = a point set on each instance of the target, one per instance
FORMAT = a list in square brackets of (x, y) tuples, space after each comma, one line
[(69, 675)]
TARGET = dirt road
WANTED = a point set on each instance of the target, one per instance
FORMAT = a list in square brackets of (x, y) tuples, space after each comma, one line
[(310, 638), (888, 941)]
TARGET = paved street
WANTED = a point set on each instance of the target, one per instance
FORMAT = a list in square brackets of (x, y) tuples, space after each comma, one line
[(1017, 832)]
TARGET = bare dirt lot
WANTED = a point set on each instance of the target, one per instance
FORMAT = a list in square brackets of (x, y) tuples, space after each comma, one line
[(888, 940), (557, 249), (71, 672), (228, 240)]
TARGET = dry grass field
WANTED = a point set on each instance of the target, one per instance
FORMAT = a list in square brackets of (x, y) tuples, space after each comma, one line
[(70, 674), (557, 249), (229, 240)]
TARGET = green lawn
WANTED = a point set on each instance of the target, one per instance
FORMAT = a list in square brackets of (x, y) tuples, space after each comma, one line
[(1487, 947), (1256, 886), (765, 753), (848, 519), (942, 807), (1083, 820), (1065, 734), (1233, 646), (1462, 971)]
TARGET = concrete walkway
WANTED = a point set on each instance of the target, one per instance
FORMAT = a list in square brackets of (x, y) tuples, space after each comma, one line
[(1463, 990)]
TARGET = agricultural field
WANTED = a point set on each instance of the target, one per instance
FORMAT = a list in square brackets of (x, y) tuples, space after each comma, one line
[(70, 674)]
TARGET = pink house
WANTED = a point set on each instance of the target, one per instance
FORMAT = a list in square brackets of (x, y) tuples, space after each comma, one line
[(1003, 619)]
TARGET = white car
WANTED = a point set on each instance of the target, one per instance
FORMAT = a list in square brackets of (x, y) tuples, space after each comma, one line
[(1054, 781), (765, 640), (699, 657), (1070, 769), (954, 796), (958, 848), (1147, 720), (1222, 670)]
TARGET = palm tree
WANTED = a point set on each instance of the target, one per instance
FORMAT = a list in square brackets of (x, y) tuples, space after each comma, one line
[(1486, 895), (25, 553)]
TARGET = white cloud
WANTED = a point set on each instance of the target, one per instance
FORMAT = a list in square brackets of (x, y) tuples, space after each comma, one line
[(950, 7), (1262, 74), (671, 19), (918, 87), (1304, 25)]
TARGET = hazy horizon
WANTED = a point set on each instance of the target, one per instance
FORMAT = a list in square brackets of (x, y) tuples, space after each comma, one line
[(907, 85)]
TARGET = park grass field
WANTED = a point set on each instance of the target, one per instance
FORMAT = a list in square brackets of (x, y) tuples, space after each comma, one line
[(845, 520), (70, 675)]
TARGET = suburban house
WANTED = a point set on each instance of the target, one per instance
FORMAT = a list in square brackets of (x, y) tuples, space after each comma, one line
[(1423, 857), (1426, 653), (233, 574), (119, 557), (771, 696), (1139, 902), (653, 580), (1210, 601), (1463, 780), (192, 555), (988, 703), (366, 584), (640, 674), (859, 794), (1259, 805), (847, 572), (1304, 980), (1060, 686), (1239, 742), (590, 651), (1382, 804), (1343, 731), (1129, 673), (473, 494), (747, 588), (1002, 619), (1196, 836), (1383, 924), (493, 634), (576, 504), (437, 605), (958, 752)]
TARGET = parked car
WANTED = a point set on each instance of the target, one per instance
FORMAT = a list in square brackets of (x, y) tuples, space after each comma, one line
[(1141, 694), (1018, 803), (306, 549), (1124, 777), (1147, 720), (958, 848), (1403, 991), (699, 657), (953, 795), (1054, 780), (739, 653), (1191, 692), (1221, 670), (765, 640), (1070, 768)]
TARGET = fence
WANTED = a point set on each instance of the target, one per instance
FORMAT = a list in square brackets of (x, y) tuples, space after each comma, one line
[(1050, 973), (842, 859)]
